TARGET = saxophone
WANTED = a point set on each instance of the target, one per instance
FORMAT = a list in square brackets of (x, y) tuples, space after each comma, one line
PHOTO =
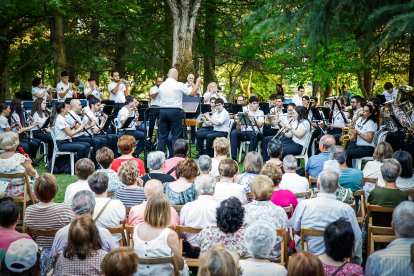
[(345, 135)]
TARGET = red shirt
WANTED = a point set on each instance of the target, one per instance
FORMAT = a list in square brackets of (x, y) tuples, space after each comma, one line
[(117, 163), (8, 236)]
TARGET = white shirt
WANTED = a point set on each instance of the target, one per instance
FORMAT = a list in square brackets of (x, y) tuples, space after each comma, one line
[(119, 96), (225, 190), (224, 118), (405, 184), (86, 120), (294, 183), (198, 214), (123, 114), (392, 96), (214, 168), (247, 107), (94, 92), (59, 125), (59, 87), (297, 100), (303, 125), (171, 93), (113, 214), (337, 118), (258, 116), (214, 95), (372, 169), (37, 90), (364, 126), (15, 119), (317, 213), (70, 121), (264, 269), (72, 189), (311, 119), (156, 100), (4, 123), (39, 119)]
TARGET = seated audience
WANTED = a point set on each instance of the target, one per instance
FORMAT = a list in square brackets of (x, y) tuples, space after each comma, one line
[(156, 164), (83, 205), (108, 212), (47, 215), (315, 163), (282, 198), (226, 188), (229, 231), (9, 217), (153, 238), (180, 152), (290, 179), (275, 151), (120, 261), (396, 258), (221, 147), (83, 169), (200, 213), (204, 164), (219, 261), (126, 145), (263, 208), (305, 263), (22, 258), (133, 193), (316, 213), (339, 240), (136, 215), (105, 157), (253, 164), (406, 179), (182, 190), (84, 254), (260, 238)]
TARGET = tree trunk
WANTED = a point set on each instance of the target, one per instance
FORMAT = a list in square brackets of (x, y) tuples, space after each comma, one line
[(184, 17), (235, 84), (120, 52), (4, 81), (337, 84), (210, 43), (328, 92), (57, 42), (94, 50), (315, 89), (168, 42), (411, 70)]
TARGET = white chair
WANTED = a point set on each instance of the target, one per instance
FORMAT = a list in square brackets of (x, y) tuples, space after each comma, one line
[(314, 146), (56, 152), (244, 146), (304, 154), (379, 137), (117, 126)]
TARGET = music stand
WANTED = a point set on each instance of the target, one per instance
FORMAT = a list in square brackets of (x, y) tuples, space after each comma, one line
[(316, 115), (108, 109), (205, 108), (236, 108), (265, 107), (228, 107), (285, 106), (244, 119), (107, 123), (381, 98), (284, 110), (46, 123), (128, 121), (326, 111)]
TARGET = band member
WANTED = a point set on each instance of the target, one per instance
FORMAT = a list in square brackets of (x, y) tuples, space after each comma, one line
[(240, 100), (41, 93), (213, 91), (390, 93), (131, 110), (39, 116), (338, 122), (63, 133), (79, 84), (249, 133), (297, 99), (356, 102), (344, 93), (220, 122), (279, 90), (64, 88), (363, 133), (277, 103), (118, 90), (4, 122), (108, 140), (93, 89), (155, 102), (375, 102), (171, 95)]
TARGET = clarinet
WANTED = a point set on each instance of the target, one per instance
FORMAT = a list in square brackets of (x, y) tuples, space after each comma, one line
[(77, 121), (19, 127), (86, 114)]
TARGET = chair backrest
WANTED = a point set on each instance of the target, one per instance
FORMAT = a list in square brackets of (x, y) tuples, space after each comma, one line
[(284, 257), (110, 193), (119, 230), (185, 229), (409, 192), (249, 196), (31, 232), (26, 190), (306, 144), (128, 209), (161, 260), (312, 180), (379, 234), (361, 193), (303, 194), (177, 207), (289, 209), (377, 134), (377, 208), (310, 232), (129, 232), (381, 137), (369, 180), (52, 133)]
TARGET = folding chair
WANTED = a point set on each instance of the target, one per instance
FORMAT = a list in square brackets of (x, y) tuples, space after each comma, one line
[(304, 154), (161, 260), (249, 196), (35, 233), (289, 209), (284, 256), (312, 180), (177, 207), (380, 209), (119, 230), (303, 194), (410, 193), (110, 193), (185, 229), (379, 234), (310, 232), (362, 204), (129, 232), (56, 152)]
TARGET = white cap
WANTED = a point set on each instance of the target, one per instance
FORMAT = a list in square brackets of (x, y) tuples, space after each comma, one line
[(23, 252)]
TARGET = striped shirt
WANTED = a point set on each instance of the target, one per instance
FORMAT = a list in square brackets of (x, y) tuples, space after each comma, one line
[(48, 218), (130, 197), (393, 260)]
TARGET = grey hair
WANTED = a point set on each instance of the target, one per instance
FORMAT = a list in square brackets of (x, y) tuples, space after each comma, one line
[(155, 160), (403, 218), (173, 72), (204, 163), (83, 202), (260, 238), (290, 162), (328, 181), (327, 142), (390, 169), (205, 184), (9, 141), (333, 165), (337, 153)]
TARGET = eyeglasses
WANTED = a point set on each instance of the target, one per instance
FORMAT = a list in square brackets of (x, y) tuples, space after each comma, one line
[(353, 102)]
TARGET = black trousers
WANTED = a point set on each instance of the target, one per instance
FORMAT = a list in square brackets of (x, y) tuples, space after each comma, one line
[(117, 107), (355, 152), (394, 139), (30, 146), (290, 147), (95, 143), (237, 136), (81, 148), (139, 136), (154, 113), (209, 135), (170, 121), (110, 141), (46, 138)]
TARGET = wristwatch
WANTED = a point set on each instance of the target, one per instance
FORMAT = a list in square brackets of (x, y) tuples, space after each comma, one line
[(358, 133)]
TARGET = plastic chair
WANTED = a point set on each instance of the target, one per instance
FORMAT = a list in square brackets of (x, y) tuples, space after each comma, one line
[(56, 152), (304, 153), (379, 137)]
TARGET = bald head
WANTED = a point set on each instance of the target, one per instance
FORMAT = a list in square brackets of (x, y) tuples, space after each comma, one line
[(326, 142), (173, 73), (74, 102), (152, 186)]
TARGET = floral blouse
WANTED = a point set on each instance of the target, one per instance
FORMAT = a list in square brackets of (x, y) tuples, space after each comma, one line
[(180, 198), (348, 270), (114, 181), (212, 235), (246, 179), (268, 211)]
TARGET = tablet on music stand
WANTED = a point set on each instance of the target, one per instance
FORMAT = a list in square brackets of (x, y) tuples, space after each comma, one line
[(108, 109), (381, 98), (315, 114), (107, 123), (127, 122), (285, 106)]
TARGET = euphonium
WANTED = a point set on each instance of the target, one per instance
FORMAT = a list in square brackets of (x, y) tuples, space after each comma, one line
[(389, 122)]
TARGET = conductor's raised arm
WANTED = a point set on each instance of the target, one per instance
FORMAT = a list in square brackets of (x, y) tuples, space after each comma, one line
[(195, 88)]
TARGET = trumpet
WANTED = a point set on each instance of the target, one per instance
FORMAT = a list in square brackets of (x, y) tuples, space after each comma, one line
[(282, 130), (128, 83)]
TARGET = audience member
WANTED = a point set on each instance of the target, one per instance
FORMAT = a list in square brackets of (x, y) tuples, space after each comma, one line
[(229, 231), (156, 164), (339, 240), (218, 261), (126, 145), (315, 163), (84, 254), (275, 151), (226, 188), (291, 180), (83, 205), (180, 152), (108, 212), (9, 217), (253, 164), (47, 215), (305, 263), (406, 179), (22, 258), (199, 213), (120, 261), (221, 147), (83, 169), (260, 238), (154, 239), (396, 258), (263, 209), (133, 193), (204, 164), (182, 190), (105, 157)]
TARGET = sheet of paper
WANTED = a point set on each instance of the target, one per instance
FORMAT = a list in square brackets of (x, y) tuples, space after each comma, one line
[(3, 186)]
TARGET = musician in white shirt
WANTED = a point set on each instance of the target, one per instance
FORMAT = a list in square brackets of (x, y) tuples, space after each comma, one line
[(155, 102), (64, 88), (390, 93), (213, 91), (40, 93), (40, 116), (297, 99), (338, 121), (93, 89), (118, 90)]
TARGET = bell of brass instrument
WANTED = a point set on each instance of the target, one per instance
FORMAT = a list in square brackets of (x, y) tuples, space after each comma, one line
[(345, 135), (389, 122), (129, 83), (203, 119), (280, 132)]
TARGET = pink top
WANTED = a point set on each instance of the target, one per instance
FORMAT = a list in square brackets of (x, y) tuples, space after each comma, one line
[(136, 215), (170, 163), (284, 198), (348, 270), (8, 236), (117, 163)]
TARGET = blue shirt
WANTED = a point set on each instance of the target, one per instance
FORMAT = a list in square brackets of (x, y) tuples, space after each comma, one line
[(315, 164), (351, 179)]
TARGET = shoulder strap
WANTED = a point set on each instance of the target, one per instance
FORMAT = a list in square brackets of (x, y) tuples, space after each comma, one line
[(96, 219), (170, 171), (339, 268)]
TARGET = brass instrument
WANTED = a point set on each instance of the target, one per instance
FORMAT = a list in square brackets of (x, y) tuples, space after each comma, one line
[(204, 120), (129, 83), (282, 130), (345, 135), (389, 122)]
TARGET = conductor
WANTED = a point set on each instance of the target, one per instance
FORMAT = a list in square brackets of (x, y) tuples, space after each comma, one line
[(171, 95)]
